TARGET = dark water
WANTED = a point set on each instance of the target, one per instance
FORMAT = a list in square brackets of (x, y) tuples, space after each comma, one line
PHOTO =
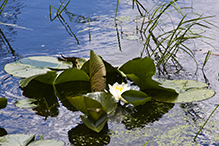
[(27, 31)]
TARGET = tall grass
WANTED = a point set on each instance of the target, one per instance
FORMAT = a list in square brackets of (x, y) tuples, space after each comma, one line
[(163, 43)]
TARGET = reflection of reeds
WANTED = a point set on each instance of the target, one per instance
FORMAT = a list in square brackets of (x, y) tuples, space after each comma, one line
[(6, 43), (59, 16), (3, 6)]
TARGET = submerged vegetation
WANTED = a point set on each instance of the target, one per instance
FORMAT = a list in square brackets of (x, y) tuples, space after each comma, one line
[(98, 89)]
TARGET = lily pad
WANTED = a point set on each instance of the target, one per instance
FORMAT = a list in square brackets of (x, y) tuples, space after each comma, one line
[(95, 113), (47, 142), (106, 99), (47, 78), (3, 102), (31, 66), (97, 125), (136, 97), (139, 70), (72, 74), (26, 103), (188, 91), (88, 106), (16, 139)]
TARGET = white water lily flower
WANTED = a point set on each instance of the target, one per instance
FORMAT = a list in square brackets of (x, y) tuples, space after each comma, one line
[(117, 89)]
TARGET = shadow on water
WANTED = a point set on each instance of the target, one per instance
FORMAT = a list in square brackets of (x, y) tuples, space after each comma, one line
[(142, 115), (46, 100), (81, 135), (48, 104), (3, 132)]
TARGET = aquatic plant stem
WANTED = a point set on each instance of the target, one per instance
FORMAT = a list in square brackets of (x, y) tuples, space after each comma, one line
[(205, 122), (117, 7)]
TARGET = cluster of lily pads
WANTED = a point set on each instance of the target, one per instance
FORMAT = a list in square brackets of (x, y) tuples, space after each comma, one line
[(94, 86)]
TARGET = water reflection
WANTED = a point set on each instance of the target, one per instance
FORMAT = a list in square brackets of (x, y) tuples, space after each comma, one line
[(3, 132), (46, 100), (6, 43), (9, 17), (81, 135), (142, 115)]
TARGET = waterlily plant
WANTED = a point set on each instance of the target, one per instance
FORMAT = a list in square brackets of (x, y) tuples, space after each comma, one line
[(84, 86)]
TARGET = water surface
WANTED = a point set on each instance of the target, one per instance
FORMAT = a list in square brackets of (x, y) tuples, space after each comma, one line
[(27, 31)]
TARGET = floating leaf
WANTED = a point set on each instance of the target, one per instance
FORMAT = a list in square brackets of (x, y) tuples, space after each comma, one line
[(16, 139), (31, 66), (136, 97), (140, 71), (72, 74), (47, 142), (3, 102), (88, 106), (97, 125), (181, 85), (188, 91), (26, 103), (97, 73), (47, 78), (71, 89), (96, 113), (106, 99)]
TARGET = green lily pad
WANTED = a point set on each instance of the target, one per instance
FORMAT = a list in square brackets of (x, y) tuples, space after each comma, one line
[(188, 91), (16, 139), (3, 102), (47, 142), (95, 113), (26, 103), (72, 74), (97, 125), (136, 97), (106, 99), (47, 78), (31, 66), (140, 70), (88, 106)]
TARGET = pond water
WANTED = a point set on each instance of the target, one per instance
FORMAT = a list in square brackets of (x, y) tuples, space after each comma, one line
[(26, 30)]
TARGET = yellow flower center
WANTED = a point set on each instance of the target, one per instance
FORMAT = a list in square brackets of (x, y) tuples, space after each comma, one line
[(119, 88)]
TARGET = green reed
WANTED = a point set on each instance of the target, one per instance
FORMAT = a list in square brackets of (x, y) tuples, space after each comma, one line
[(163, 45), (3, 5)]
